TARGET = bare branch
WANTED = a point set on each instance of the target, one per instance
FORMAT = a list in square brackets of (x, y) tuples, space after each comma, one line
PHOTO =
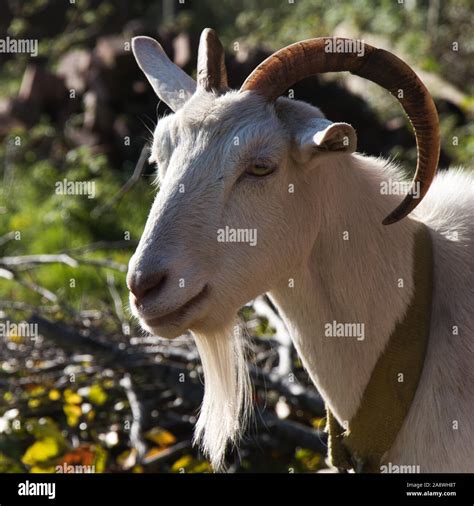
[(7, 237), (262, 307), (298, 434), (152, 464), (24, 306), (30, 260), (136, 433), (99, 262), (44, 292), (4, 273)]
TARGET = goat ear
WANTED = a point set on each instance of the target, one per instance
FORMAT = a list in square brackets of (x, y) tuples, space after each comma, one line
[(322, 136), (171, 84)]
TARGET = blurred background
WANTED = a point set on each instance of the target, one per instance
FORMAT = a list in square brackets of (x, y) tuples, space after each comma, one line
[(80, 386)]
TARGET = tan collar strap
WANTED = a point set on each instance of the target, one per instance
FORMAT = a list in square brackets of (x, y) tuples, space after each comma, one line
[(394, 380)]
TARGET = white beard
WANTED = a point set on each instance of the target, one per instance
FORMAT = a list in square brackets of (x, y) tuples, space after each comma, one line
[(227, 392)]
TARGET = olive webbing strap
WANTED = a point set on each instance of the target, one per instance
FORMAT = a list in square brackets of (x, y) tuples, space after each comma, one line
[(394, 380)]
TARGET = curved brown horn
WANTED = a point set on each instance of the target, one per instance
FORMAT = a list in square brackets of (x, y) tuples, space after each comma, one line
[(303, 59), (211, 72)]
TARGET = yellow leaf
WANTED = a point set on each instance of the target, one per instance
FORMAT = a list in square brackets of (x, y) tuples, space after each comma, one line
[(54, 394), (161, 437), (34, 403), (73, 413), (181, 463), (71, 397), (152, 452), (15, 339), (41, 451), (36, 390), (100, 459), (201, 467), (97, 394), (127, 459)]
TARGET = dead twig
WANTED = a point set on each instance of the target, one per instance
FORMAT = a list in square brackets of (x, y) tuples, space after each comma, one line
[(107, 264), (136, 433), (153, 464), (296, 433), (26, 262), (304, 398)]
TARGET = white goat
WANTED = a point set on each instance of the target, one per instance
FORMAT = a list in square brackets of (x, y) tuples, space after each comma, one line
[(250, 161)]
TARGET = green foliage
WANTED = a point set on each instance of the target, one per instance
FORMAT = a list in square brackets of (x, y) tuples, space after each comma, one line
[(423, 33), (307, 461), (415, 29), (50, 222)]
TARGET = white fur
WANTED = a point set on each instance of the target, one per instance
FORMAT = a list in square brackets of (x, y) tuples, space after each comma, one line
[(357, 282), (226, 404), (322, 255)]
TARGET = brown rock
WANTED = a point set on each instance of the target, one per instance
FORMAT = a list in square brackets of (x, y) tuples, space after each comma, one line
[(74, 68), (40, 92)]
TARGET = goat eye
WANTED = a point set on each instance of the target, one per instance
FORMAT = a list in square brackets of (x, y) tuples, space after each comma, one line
[(260, 170)]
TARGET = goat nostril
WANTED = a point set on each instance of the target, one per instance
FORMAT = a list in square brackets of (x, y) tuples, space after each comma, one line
[(142, 287)]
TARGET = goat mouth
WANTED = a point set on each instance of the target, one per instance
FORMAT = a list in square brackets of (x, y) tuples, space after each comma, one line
[(176, 316)]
